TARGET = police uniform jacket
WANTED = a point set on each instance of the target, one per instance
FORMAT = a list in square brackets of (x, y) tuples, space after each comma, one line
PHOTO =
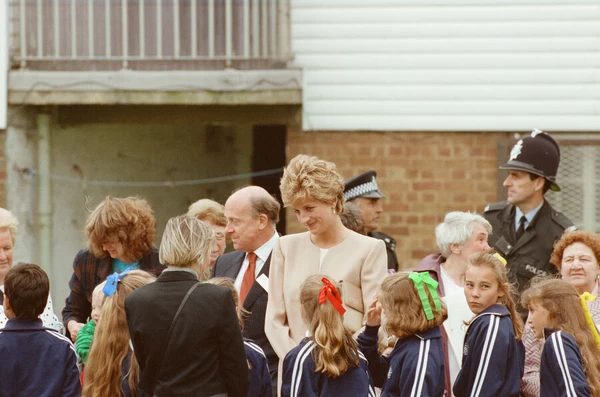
[(561, 371), (300, 379), (530, 256), (493, 359), (390, 248), (415, 367)]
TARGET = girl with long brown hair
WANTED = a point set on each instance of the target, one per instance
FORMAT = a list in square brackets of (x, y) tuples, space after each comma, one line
[(493, 355), (327, 363), (413, 313), (570, 364), (112, 369)]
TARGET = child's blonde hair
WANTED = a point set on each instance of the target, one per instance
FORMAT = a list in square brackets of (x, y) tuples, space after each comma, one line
[(336, 351), (97, 292), (566, 313), (403, 308), (103, 374), (227, 282), (492, 261)]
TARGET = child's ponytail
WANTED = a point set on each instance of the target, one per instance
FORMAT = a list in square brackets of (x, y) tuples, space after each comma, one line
[(322, 307)]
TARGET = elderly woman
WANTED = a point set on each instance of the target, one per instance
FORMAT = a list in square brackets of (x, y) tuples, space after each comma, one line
[(213, 214), (575, 256), (460, 235), (8, 235), (315, 190), (120, 234), (188, 340)]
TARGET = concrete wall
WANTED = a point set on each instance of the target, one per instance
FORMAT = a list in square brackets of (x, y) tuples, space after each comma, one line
[(116, 153)]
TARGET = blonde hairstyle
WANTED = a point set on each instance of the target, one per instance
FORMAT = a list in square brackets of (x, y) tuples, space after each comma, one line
[(103, 375), (489, 260), (336, 351), (10, 222), (228, 283), (309, 177), (208, 210), (186, 242), (129, 221), (403, 307), (562, 301), (98, 290)]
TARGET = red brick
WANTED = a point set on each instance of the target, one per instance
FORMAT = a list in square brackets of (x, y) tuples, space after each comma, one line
[(423, 174)]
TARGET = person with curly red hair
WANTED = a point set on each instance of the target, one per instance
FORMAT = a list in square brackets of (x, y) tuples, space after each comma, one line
[(120, 234)]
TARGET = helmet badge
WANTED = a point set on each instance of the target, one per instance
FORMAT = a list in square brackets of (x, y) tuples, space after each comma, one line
[(536, 132), (516, 150)]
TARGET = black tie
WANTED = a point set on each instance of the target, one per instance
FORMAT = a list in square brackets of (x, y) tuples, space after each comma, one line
[(521, 228)]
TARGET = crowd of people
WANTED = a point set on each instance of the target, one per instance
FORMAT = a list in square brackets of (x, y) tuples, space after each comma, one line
[(506, 307)]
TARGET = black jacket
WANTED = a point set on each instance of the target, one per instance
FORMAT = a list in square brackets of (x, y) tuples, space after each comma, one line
[(205, 355), (229, 265), (530, 256), (390, 248)]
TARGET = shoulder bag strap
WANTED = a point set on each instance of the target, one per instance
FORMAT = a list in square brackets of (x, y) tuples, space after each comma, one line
[(185, 298)]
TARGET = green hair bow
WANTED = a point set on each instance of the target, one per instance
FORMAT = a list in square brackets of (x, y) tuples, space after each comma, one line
[(421, 280)]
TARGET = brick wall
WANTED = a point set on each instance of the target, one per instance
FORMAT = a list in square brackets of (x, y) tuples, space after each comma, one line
[(423, 174), (2, 169)]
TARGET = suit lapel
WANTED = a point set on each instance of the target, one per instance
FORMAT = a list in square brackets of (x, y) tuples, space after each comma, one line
[(257, 290), (232, 268)]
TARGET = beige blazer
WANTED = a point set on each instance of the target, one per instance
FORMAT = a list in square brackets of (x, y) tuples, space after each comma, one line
[(359, 261)]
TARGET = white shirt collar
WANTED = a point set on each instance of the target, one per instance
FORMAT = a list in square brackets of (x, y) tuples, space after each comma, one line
[(264, 250)]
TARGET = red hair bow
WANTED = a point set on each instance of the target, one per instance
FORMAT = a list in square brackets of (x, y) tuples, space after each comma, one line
[(330, 293)]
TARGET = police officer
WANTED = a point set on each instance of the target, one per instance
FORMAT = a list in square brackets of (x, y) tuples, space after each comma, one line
[(362, 191), (525, 226)]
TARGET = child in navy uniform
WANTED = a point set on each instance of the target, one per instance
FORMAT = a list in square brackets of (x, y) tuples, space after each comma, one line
[(558, 315), (259, 379), (493, 355), (413, 312), (37, 361), (327, 363)]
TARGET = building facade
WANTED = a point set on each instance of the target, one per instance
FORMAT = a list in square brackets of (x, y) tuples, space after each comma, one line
[(179, 100)]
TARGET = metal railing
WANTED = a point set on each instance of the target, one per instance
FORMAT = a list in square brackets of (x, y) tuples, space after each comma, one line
[(149, 34)]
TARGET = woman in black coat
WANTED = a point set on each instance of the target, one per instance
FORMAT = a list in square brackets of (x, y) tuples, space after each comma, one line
[(204, 354)]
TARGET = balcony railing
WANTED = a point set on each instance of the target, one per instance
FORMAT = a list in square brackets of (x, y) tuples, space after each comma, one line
[(149, 34)]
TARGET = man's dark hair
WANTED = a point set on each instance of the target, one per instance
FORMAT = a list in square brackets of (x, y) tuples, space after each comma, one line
[(27, 287), (547, 183)]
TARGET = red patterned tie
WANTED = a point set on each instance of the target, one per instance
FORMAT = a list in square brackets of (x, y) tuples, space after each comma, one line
[(249, 277)]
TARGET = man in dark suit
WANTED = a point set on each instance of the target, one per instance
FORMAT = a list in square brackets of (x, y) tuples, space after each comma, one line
[(252, 214)]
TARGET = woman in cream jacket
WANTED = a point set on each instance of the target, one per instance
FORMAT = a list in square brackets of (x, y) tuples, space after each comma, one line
[(315, 190)]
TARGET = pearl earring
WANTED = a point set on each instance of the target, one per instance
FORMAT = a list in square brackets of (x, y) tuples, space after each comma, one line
[(333, 210)]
